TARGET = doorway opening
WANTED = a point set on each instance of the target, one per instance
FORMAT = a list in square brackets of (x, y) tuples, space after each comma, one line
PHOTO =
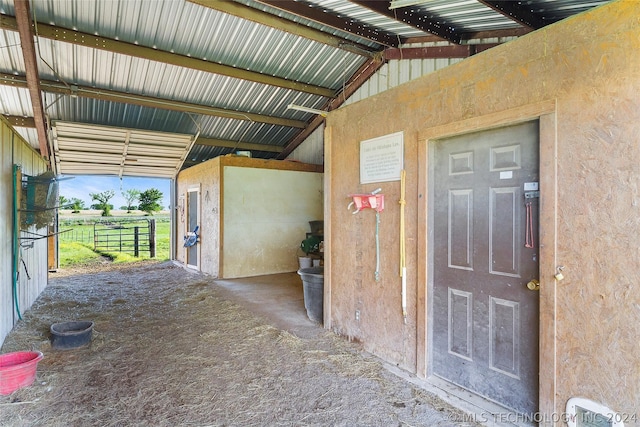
[(193, 222)]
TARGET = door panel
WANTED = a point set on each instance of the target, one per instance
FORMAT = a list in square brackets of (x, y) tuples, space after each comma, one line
[(461, 230), (485, 320), (503, 228), (504, 318), (460, 323)]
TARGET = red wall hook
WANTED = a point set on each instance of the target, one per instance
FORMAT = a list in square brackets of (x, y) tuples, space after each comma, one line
[(371, 200)]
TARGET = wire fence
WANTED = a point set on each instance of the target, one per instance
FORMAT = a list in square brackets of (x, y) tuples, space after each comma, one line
[(79, 235)]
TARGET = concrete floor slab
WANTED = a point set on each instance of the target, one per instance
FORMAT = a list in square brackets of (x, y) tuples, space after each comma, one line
[(277, 297)]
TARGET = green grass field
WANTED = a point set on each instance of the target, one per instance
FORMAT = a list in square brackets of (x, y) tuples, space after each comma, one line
[(78, 243)]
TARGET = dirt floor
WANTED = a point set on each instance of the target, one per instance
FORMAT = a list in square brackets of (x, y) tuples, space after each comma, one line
[(170, 348)]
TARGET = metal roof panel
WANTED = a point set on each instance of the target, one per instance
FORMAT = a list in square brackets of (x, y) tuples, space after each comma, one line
[(199, 32)]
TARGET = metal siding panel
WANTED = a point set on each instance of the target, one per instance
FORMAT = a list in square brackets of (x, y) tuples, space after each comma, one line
[(404, 72), (357, 96), (15, 150), (373, 84), (441, 63), (428, 66), (383, 81), (312, 149), (6, 221), (415, 68), (394, 74), (35, 258)]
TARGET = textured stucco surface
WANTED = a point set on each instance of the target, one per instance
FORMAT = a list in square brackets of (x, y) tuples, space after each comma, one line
[(589, 66), (253, 213)]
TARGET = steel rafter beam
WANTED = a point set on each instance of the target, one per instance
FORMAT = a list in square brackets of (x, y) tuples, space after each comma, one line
[(24, 27), (225, 143), (490, 34), (245, 12), (510, 32), (437, 52), (518, 12), (314, 13), (20, 122), (410, 17), (103, 43), (148, 101)]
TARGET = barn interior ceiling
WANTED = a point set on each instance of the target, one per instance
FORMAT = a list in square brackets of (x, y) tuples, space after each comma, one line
[(221, 72)]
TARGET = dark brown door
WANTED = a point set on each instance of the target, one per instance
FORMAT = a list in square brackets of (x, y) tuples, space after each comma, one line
[(485, 319)]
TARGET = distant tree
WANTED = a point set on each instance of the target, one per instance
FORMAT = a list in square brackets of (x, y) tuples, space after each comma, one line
[(130, 196), (76, 205), (63, 202), (149, 201), (98, 206), (103, 201)]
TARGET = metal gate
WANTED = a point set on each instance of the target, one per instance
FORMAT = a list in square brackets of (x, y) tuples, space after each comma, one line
[(125, 236)]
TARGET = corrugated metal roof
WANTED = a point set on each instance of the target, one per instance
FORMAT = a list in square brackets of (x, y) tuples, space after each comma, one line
[(360, 13), (79, 73), (467, 15), (15, 101), (188, 29), (107, 70), (321, 5)]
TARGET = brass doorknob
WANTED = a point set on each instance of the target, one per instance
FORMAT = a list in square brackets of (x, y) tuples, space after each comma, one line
[(533, 285)]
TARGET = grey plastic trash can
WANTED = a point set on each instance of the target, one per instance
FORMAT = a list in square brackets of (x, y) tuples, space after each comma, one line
[(313, 288)]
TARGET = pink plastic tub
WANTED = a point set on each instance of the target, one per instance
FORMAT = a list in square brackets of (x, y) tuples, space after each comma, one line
[(18, 370)]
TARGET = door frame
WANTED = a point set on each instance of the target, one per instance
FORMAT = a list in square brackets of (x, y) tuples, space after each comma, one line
[(192, 189), (545, 112)]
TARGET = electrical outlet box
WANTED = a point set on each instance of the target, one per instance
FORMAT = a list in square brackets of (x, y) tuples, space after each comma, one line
[(358, 315)]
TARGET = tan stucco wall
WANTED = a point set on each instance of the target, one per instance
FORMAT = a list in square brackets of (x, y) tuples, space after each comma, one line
[(206, 177), (253, 213), (586, 70)]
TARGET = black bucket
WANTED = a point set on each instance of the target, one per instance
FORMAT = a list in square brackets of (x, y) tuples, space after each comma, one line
[(70, 335), (313, 288)]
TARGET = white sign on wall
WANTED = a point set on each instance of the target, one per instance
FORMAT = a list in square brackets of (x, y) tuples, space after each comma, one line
[(382, 158)]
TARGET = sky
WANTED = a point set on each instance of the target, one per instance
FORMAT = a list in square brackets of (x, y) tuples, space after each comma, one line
[(80, 186)]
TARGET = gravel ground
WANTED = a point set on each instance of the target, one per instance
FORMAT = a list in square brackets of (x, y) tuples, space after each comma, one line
[(171, 349)]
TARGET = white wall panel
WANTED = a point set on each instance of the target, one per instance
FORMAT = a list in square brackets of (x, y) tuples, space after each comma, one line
[(33, 272)]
